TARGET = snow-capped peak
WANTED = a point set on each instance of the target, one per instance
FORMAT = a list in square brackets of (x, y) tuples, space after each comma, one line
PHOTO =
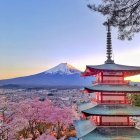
[(63, 68)]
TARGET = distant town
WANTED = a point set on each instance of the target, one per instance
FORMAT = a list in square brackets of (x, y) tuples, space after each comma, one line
[(60, 97)]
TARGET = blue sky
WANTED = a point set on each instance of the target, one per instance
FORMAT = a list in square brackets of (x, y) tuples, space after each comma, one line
[(36, 35)]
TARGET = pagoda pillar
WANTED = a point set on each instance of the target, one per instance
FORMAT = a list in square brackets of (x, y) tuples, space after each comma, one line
[(101, 77), (128, 122), (101, 94)]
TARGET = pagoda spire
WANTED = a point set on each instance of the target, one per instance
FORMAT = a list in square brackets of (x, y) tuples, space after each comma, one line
[(109, 45)]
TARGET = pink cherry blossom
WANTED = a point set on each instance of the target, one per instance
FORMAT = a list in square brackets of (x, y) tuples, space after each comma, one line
[(46, 137), (27, 113)]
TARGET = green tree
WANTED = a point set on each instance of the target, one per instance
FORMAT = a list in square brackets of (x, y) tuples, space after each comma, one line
[(135, 98), (123, 14)]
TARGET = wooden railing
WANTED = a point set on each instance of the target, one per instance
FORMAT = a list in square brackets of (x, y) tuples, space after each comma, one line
[(115, 124), (126, 101), (111, 82)]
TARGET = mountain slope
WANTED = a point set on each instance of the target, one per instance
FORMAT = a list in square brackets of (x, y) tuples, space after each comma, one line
[(61, 75), (63, 68)]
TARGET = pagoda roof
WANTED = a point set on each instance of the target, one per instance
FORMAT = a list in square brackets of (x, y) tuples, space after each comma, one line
[(95, 69), (85, 106), (113, 133), (113, 110), (113, 88), (83, 127)]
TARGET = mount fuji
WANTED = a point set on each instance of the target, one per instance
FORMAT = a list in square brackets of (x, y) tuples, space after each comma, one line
[(62, 75), (63, 68)]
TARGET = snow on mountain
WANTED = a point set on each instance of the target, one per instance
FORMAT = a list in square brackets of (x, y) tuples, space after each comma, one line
[(62, 75), (63, 68)]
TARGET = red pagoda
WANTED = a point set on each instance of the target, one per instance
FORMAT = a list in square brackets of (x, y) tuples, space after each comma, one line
[(109, 115)]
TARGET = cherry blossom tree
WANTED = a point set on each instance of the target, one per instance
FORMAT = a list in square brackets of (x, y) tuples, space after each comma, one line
[(61, 118), (3, 118), (46, 137), (27, 114)]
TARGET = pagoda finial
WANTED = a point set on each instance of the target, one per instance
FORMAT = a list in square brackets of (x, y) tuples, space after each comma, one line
[(109, 44)]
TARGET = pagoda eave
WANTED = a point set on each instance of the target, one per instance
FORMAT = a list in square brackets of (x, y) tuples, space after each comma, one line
[(125, 73), (87, 90), (117, 115), (112, 88), (112, 110), (126, 70), (83, 127), (113, 133)]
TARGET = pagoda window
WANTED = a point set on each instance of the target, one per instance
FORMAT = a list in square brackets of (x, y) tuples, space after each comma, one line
[(114, 98), (116, 120), (113, 76), (113, 80), (113, 73), (107, 98), (110, 78)]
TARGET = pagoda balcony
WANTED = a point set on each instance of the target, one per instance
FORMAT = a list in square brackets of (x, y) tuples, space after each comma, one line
[(126, 82), (126, 101), (114, 124)]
